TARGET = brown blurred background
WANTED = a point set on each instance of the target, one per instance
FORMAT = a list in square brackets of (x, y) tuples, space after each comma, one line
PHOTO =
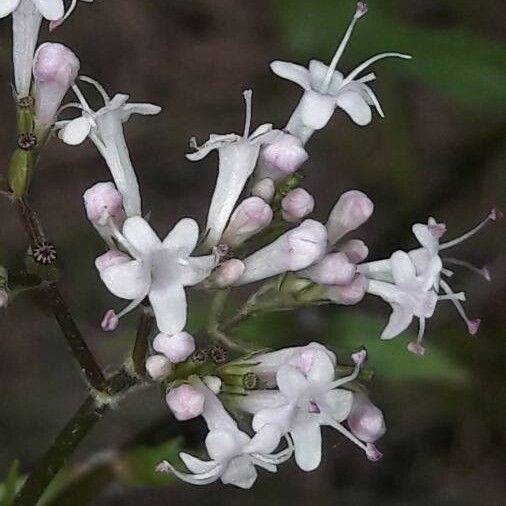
[(440, 151)]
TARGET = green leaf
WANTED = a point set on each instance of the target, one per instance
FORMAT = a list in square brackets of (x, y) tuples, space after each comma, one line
[(463, 65), (390, 360), (10, 485)]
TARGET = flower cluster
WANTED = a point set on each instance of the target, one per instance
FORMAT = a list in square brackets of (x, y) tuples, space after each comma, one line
[(260, 229)]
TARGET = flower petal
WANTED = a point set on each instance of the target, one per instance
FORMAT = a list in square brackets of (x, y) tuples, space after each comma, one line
[(130, 280), (307, 439), (266, 440), (403, 269), (322, 369), (291, 382), (222, 445), (355, 106), (52, 10), (295, 73), (169, 306), (140, 235), (198, 269), (75, 131), (183, 237), (316, 109), (318, 71), (7, 7), (143, 109), (339, 403), (280, 417), (196, 465), (398, 322), (258, 400), (240, 472)]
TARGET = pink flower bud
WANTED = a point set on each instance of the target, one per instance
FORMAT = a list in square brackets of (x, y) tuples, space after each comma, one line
[(158, 366), (176, 348), (213, 383), (334, 269), (229, 272), (4, 297), (265, 189), (185, 402), (110, 321), (112, 257), (250, 217), (55, 68), (356, 250), (103, 201), (351, 210), (286, 154), (293, 251), (366, 420), (350, 294), (296, 205)]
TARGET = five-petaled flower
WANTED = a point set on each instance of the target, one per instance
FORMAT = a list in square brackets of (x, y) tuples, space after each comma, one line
[(158, 270)]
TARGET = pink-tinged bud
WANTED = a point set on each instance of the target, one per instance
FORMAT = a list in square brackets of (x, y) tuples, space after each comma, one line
[(185, 402), (361, 10), (213, 383), (110, 321), (356, 250), (359, 357), (55, 68), (229, 272), (373, 454), (4, 298), (250, 217), (158, 367), (112, 257), (350, 294), (296, 205), (286, 154), (176, 348), (416, 348), (103, 202), (293, 251), (334, 269), (265, 189), (351, 210), (366, 421)]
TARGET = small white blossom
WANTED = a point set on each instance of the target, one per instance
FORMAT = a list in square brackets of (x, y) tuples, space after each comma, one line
[(159, 270), (158, 366), (176, 348), (237, 159), (233, 453), (105, 128), (325, 88)]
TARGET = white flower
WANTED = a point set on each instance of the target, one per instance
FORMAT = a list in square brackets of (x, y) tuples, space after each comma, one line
[(309, 396), (325, 88), (105, 128), (422, 263), (237, 159), (233, 453), (159, 270), (50, 9)]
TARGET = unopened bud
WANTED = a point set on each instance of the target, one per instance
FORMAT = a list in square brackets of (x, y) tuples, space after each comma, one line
[(229, 272), (265, 189), (158, 366), (351, 210), (176, 348), (4, 297), (55, 68), (213, 383), (296, 205), (366, 421), (285, 154), (250, 217), (110, 321), (293, 251), (356, 250), (334, 269), (103, 202), (112, 257), (185, 402), (350, 294)]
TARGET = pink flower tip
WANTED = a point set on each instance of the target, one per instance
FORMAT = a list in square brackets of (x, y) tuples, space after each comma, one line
[(53, 25), (495, 214), (221, 250), (473, 326), (359, 357), (485, 271), (373, 454), (416, 348), (361, 10), (110, 321), (162, 467)]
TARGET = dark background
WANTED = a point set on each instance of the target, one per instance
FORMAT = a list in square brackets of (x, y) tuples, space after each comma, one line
[(440, 151)]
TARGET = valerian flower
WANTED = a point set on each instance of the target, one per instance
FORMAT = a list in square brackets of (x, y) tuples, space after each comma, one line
[(309, 396), (233, 453), (105, 128), (158, 270), (237, 159), (325, 88)]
